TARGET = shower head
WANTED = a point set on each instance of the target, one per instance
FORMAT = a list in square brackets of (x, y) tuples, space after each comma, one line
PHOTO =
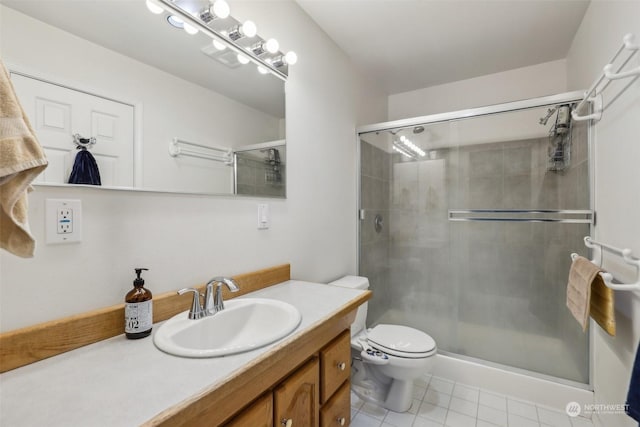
[(418, 129)]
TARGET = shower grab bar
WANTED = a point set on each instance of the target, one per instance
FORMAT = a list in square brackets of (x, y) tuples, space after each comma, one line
[(511, 215), (176, 149), (597, 248), (594, 96)]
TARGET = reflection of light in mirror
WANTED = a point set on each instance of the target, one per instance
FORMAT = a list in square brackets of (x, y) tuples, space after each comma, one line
[(243, 59), (154, 8), (218, 44), (401, 150), (262, 70), (190, 29)]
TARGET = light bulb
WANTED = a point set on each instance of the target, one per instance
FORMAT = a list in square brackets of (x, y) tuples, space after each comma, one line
[(272, 45), (262, 70), (154, 8), (242, 58), (220, 8), (291, 57), (249, 29)]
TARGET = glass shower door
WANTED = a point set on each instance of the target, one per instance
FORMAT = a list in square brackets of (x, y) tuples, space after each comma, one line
[(476, 237)]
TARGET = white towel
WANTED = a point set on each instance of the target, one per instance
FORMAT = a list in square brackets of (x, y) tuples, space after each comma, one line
[(21, 161)]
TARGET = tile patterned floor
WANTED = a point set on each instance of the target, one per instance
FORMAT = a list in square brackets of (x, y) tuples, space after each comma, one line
[(439, 402)]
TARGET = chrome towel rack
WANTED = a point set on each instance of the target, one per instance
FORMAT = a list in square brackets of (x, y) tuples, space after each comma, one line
[(522, 215), (597, 248), (594, 94), (219, 154)]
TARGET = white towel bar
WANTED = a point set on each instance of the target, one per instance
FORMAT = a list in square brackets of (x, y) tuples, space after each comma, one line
[(597, 248), (176, 149), (594, 94)]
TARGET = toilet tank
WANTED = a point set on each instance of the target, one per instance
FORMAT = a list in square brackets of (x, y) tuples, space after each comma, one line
[(355, 282)]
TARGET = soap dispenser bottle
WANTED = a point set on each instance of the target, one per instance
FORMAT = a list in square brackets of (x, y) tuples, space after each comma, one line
[(138, 309)]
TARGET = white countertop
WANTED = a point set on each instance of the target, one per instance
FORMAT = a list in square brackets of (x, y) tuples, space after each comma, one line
[(121, 382)]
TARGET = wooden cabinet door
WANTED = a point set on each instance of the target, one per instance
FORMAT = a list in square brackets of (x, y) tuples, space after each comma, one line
[(335, 362), (258, 414), (296, 400)]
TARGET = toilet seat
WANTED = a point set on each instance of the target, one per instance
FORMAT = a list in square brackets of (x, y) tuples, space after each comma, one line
[(401, 341)]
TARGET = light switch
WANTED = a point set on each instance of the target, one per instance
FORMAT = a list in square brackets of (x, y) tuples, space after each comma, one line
[(263, 216)]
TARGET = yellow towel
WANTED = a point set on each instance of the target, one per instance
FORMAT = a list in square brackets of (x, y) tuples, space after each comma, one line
[(21, 160), (588, 295)]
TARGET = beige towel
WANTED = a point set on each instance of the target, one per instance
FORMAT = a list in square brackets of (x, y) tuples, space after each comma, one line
[(21, 160), (588, 295)]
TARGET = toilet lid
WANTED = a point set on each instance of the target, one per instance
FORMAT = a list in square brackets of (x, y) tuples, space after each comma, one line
[(401, 339)]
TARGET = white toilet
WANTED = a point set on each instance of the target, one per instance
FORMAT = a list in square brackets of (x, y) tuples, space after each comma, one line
[(388, 358)]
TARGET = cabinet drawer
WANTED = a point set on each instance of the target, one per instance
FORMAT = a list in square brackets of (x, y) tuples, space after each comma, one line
[(337, 411), (258, 414), (335, 365)]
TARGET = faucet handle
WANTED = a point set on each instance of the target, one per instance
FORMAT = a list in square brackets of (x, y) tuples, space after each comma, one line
[(196, 311)]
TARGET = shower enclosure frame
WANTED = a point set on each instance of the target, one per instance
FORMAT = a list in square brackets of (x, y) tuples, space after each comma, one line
[(562, 98)]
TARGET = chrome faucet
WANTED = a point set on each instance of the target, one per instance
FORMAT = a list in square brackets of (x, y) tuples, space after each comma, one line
[(196, 311), (213, 302)]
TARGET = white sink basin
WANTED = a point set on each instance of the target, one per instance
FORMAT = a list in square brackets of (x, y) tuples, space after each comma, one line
[(245, 324)]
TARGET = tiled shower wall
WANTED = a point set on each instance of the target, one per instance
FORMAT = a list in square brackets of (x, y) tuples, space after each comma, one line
[(375, 181), (490, 290), (256, 178)]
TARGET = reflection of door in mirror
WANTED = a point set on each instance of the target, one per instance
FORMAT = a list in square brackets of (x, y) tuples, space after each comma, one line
[(57, 113)]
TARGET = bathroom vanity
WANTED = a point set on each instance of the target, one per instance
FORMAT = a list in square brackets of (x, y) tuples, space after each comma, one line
[(300, 380)]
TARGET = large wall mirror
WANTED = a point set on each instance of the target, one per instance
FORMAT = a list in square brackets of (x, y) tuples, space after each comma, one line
[(167, 111)]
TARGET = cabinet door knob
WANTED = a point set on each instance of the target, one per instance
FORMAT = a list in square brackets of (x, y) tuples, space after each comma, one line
[(341, 420), (342, 366), (287, 422)]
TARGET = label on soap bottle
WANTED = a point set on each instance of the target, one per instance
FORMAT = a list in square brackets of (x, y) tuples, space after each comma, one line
[(138, 317)]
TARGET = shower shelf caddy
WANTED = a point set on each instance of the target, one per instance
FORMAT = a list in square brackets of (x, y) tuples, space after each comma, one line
[(594, 94), (177, 148), (597, 248)]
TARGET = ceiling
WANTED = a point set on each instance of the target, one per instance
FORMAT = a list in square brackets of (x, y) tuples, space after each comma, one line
[(411, 44)]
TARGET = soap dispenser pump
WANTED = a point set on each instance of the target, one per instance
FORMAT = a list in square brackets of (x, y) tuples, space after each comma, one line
[(138, 309)]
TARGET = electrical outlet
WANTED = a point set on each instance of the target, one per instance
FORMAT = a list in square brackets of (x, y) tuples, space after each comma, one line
[(63, 221)]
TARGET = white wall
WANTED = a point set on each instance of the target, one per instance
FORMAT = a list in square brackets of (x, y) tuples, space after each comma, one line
[(548, 78), (171, 107), (617, 197), (185, 240)]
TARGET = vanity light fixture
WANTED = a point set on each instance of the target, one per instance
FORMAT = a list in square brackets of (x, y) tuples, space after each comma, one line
[(248, 29), (218, 10), (263, 46), (241, 38)]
